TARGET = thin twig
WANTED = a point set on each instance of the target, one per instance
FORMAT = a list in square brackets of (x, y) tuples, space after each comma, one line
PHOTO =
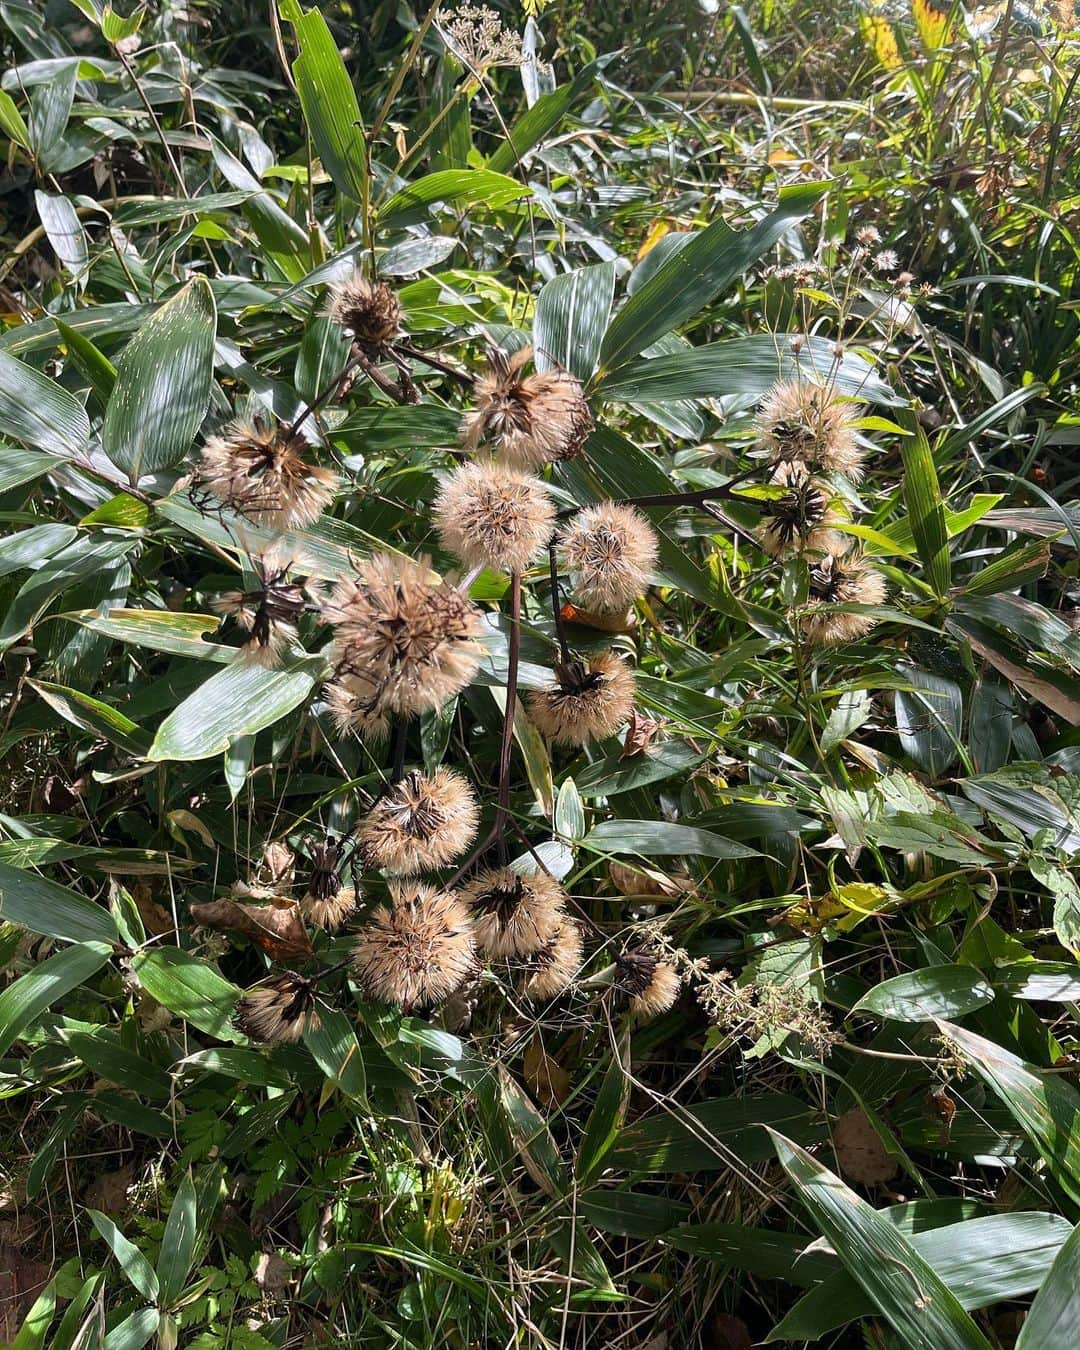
[(513, 652), (556, 606)]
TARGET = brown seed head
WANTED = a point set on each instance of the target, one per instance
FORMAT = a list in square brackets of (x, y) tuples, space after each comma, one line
[(589, 701), (418, 951), (421, 823), (514, 915), (651, 985), (329, 911), (808, 423), (262, 474), (610, 550), (529, 420), (842, 579), (492, 516), (268, 613), (800, 521), (556, 966), (282, 1009), (368, 310)]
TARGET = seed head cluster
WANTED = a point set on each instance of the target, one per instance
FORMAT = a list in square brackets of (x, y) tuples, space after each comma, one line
[(589, 700), (369, 311), (417, 951), (421, 823), (842, 579), (527, 420), (610, 551), (262, 473), (809, 423), (489, 515), (650, 984), (282, 1009), (514, 915)]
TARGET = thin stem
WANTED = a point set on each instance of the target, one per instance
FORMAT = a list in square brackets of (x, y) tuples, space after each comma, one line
[(388, 386), (434, 363), (172, 161), (721, 492), (403, 70), (324, 393), (513, 652), (556, 606)]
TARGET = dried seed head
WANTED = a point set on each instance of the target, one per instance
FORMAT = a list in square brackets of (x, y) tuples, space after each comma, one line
[(368, 310), (588, 701), (477, 37), (421, 823), (800, 520), (556, 966), (403, 642), (268, 613), (529, 420), (651, 985), (842, 579), (514, 915), (492, 516), (610, 551), (280, 1010), (418, 951), (329, 911), (808, 423), (262, 474)]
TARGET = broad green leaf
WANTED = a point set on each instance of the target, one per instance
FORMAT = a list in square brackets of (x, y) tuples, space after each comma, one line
[(329, 100), (135, 1266), (38, 412), (65, 233), (284, 242), (104, 1056), (929, 719), (90, 714), (178, 1241), (454, 186), (696, 274), (544, 115), (653, 837), (44, 907), (22, 466), (1055, 688), (134, 1331), (531, 1136), (898, 1282), (85, 558), (334, 1047), (31, 1335), (249, 1066), (11, 122), (163, 381), (237, 701), (1045, 1106), (606, 1117), (92, 363), (33, 546), (190, 988), (38, 989), (1053, 1323), (1008, 571), (162, 630), (923, 995), (631, 1213), (571, 315), (608, 777), (926, 509)]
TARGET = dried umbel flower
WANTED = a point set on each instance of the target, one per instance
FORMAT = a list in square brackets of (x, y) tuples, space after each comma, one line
[(610, 551), (842, 579), (588, 701), (368, 310), (493, 516), (421, 823), (808, 423), (262, 473), (282, 1009), (800, 520), (417, 952), (477, 37), (404, 642), (651, 985), (269, 613), (529, 420), (329, 912), (514, 915), (556, 965)]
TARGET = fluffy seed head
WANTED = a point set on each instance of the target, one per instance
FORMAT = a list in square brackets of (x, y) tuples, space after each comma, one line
[(556, 965), (368, 310), (529, 420), (268, 613), (492, 516), (514, 915), (610, 551), (280, 1010), (421, 823), (842, 579), (329, 912), (651, 985), (800, 521), (416, 952), (808, 423), (588, 701), (262, 474), (403, 642)]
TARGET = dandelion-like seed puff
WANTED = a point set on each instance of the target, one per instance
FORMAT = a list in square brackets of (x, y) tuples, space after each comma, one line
[(528, 420), (514, 915), (421, 823), (262, 473), (489, 515), (841, 579), (801, 520), (610, 552), (268, 613), (369, 311), (651, 985), (808, 423), (555, 967), (589, 701), (416, 952), (280, 1010)]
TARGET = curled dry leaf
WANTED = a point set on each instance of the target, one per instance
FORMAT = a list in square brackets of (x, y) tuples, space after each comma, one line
[(641, 732), (276, 928), (545, 1077), (642, 880), (860, 1154)]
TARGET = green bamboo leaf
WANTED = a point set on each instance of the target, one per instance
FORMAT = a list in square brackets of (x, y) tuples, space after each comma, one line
[(11, 122), (178, 1241), (923, 995), (104, 1056), (544, 116), (190, 988), (905, 1290), (132, 1262), (605, 1120), (572, 312), (90, 714), (329, 101), (1054, 1320), (161, 630), (163, 381), (43, 907), (661, 837), (688, 280), (29, 547), (32, 993), (92, 363), (926, 509), (334, 1047), (460, 187), (134, 1331), (38, 412)]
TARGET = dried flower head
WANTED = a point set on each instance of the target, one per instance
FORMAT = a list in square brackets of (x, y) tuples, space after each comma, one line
[(842, 579), (860, 1152), (587, 702), (556, 965), (800, 521), (368, 310), (867, 235), (610, 551), (529, 419), (329, 912), (477, 37), (765, 1008), (282, 1009), (268, 613), (886, 260), (808, 423), (404, 642), (328, 902), (418, 951), (262, 474), (492, 516), (651, 985), (514, 915), (420, 823)]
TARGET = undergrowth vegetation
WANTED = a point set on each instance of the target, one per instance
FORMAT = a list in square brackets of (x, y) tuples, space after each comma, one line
[(540, 675)]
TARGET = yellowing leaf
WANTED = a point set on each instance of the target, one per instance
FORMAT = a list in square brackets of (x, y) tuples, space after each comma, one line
[(657, 230), (932, 24), (861, 899), (881, 40)]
